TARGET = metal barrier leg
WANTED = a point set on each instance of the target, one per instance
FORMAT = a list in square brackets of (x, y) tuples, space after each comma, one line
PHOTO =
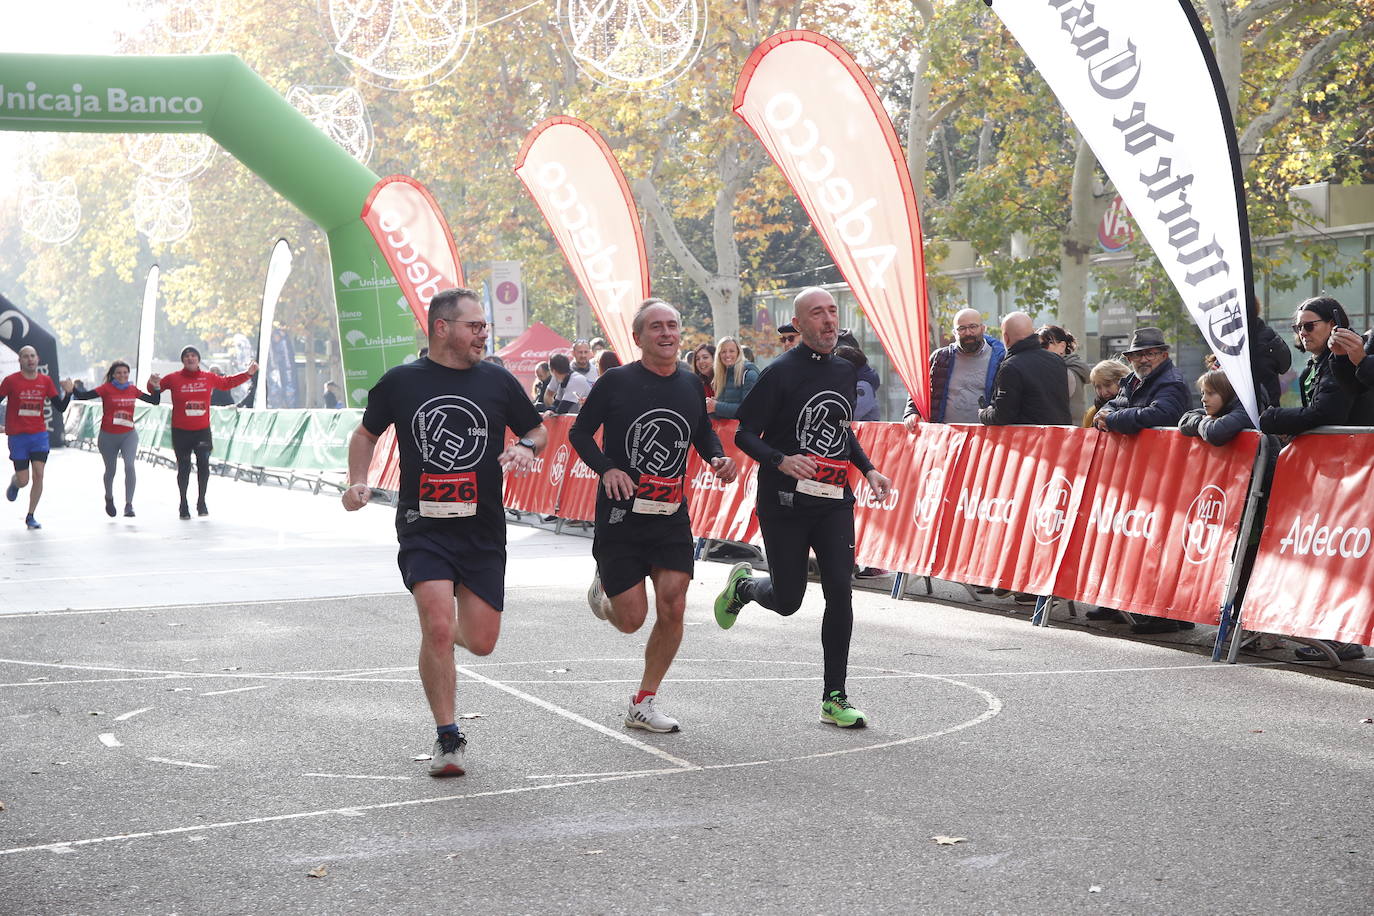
[(898, 586), (1230, 614), (1041, 616)]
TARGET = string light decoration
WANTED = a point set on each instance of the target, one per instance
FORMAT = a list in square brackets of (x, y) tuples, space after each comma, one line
[(633, 44), (339, 112), (169, 26), (399, 44), (162, 209), (49, 211), (170, 156)]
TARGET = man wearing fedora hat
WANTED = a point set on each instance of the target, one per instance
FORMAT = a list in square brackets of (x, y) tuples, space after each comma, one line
[(1153, 395)]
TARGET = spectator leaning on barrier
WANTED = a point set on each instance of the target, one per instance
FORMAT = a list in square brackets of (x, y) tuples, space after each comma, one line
[(542, 376), (1353, 366), (1324, 401), (1105, 378), (961, 374), (1063, 344), (1031, 387), (703, 365), (1155, 393), (734, 378), (1221, 417), (568, 388), (582, 359)]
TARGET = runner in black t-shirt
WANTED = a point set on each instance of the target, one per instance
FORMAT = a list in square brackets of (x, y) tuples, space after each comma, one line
[(451, 411), (795, 424), (650, 411)]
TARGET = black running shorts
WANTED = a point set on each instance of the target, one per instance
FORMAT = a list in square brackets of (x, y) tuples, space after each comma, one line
[(442, 555), (623, 562)]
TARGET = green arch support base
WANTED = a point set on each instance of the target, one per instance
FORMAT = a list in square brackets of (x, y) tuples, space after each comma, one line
[(218, 95)]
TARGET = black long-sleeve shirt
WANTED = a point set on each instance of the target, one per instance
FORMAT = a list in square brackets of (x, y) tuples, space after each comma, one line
[(802, 405), (648, 422)]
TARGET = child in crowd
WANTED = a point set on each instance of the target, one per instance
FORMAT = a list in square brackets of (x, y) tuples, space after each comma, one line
[(1105, 378), (1221, 417)]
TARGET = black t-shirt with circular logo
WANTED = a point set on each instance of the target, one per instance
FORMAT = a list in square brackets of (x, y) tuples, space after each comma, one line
[(648, 421), (450, 432), (802, 404)]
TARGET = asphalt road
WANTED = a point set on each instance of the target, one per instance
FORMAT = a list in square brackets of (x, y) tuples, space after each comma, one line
[(195, 716)]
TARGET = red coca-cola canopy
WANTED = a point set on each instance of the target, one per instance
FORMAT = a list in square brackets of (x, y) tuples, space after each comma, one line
[(531, 348)]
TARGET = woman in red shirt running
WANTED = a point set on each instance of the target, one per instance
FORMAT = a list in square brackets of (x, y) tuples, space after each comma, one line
[(117, 434), (190, 389)]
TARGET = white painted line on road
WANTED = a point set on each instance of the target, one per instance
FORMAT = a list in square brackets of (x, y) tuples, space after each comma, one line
[(109, 740), (182, 763), (580, 720), (616, 773), (217, 570), (124, 717), (94, 680), (67, 845), (348, 776), (219, 693)]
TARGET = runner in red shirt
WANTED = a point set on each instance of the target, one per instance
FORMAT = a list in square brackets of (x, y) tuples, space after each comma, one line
[(25, 393), (191, 389), (117, 434)]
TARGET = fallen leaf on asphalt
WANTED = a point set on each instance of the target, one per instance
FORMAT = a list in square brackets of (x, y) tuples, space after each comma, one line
[(38, 679), (1367, 721), (1256, 731), (95, 712), (948, 840), (2, 806), (473, 715), (231, 668), (177, 689), (556, 670), (319, 871), (593, 852), (422, 757), (1095, 889)]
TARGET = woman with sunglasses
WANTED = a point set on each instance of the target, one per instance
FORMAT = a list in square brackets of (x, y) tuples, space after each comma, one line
[(1324, 401)]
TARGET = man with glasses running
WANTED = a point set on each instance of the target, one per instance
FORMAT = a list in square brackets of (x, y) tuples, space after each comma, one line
[(796, 424), (650, 412), (451, 411)]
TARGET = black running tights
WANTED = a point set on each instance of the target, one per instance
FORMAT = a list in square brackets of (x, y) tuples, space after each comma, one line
[(787, 538), (186, 442)]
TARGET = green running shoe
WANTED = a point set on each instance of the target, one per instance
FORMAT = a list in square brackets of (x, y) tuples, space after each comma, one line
[(836, 710), (728, 602)]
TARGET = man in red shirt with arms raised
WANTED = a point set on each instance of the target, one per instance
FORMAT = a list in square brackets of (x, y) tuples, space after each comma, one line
[(24, 393), (191, 388)]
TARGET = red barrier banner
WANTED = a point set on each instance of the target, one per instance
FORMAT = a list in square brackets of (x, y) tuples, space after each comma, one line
[(537, 490), (582, 193), (1159, 524), (901, 533), (1010, 507), (816, 113), (723, 511), (1313, 576), (415, 239)]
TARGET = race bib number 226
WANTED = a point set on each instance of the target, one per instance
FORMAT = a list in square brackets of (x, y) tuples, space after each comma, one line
[(448, 495)]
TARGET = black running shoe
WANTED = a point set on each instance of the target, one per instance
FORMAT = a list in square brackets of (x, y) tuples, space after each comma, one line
[(184, 511), (201, 510), (109, 506)]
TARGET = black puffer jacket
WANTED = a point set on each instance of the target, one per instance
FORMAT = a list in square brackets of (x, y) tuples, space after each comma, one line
[(1032, 388), (1272, 358), (1358, 381), (1216, 430), (1328, 405), (1158, 400)]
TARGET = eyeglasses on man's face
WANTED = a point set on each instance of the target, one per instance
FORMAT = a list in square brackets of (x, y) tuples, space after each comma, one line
[(1146, 354), (1306, 327), (968, 328), (476, 327)]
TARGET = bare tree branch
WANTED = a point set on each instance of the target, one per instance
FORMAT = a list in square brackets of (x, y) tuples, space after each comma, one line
[(1259, 9), (647, 195)]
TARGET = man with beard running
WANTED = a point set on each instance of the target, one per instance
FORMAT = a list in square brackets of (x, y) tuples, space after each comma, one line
[(650, 411), (796, 424), (451, 411)]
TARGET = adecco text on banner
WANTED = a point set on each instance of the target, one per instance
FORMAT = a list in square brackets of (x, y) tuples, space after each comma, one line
[(972, 504), (1131, 522), (1317, 540), (586, 238), (784, 112), (418, 271)]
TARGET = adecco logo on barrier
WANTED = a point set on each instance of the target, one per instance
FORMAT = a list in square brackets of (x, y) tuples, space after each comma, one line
[(559, 466), (1318, 540), (928, 497), (1202, 524), (1050, 509), (864, 496)]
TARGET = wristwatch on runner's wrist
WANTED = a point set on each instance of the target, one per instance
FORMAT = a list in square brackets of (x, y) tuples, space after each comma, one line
[(528, 443)]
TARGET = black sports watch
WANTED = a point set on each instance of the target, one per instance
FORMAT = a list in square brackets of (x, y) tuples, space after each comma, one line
[(528, 443), (776, 459)]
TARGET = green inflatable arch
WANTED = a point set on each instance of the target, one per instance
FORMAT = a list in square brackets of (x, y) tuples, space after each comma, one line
[(217, 94)]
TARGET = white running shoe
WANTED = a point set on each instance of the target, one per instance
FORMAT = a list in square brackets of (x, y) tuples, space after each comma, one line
[(646, 716), (595, 597), (447, 759)]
